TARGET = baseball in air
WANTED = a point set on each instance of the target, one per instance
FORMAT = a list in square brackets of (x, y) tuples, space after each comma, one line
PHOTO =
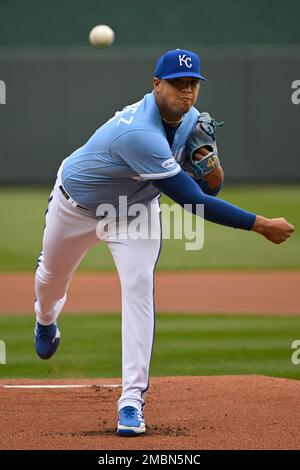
[(102, 36)]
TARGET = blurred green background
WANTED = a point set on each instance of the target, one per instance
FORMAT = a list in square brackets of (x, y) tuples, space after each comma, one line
[(65, 22), (60, 89)]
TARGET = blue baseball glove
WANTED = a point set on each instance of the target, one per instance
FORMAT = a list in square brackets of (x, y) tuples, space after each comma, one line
[(202, 135)]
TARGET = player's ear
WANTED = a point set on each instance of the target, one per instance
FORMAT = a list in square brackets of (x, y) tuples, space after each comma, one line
[(156, 82)]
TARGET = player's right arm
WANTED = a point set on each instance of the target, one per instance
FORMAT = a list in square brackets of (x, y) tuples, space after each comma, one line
[(184, 190)]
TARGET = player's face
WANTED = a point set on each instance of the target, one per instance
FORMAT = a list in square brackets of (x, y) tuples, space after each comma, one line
[(176, 95)]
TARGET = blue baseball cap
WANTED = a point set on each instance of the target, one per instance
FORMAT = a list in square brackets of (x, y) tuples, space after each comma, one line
[(178, 63)]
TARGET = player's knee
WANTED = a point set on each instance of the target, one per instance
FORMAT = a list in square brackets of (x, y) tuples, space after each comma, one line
[(45, 276), (42, 275)]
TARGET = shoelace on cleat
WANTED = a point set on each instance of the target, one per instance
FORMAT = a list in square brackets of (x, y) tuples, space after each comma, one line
[(128, 412), (43, 332)]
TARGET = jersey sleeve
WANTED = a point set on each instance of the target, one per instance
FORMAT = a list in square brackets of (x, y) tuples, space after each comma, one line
[(147, 153)]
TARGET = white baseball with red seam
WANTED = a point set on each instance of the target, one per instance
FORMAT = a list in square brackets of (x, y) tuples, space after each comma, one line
[(101, 36)]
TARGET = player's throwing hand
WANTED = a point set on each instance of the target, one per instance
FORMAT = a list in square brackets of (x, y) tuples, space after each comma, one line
[(275, 230)]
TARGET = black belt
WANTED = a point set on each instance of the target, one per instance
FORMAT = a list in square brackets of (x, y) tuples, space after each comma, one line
[(68, 197)]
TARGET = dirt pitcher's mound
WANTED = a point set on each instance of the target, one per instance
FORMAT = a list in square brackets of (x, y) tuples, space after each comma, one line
[(235, 412)]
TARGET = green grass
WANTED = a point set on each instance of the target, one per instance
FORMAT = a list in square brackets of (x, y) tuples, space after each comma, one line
[(184, 345), (23, 210)]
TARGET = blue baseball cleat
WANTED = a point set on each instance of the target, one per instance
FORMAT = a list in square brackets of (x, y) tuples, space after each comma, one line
[(130, 422), (47, 339)]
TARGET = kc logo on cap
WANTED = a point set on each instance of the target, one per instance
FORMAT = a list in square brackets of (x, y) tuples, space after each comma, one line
[(178, 63), (185, 59)]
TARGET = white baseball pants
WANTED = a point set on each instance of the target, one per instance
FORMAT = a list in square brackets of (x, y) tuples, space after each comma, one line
[(68, 235)]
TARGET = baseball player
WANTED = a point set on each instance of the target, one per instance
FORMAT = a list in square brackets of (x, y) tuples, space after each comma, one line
[(161, 144)]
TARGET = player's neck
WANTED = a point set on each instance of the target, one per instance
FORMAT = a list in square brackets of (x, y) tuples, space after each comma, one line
[(170, 118), (172, 123)]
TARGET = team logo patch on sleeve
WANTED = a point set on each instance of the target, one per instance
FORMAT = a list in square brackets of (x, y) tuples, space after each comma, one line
[(168, 163)]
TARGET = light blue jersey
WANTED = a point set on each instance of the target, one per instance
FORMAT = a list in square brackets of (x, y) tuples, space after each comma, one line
[(124, 156)]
